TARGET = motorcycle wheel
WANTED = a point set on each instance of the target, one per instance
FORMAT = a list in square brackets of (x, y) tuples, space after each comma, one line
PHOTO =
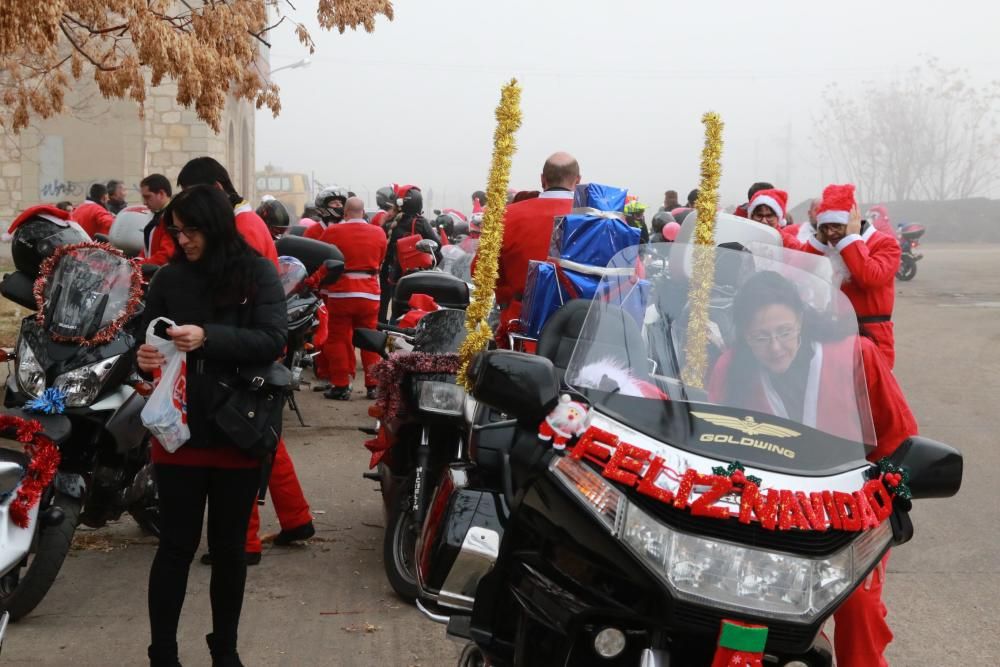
[(142, 501), (148, 519), (472, 656), (399, 545), (907, 269), (22, 589)]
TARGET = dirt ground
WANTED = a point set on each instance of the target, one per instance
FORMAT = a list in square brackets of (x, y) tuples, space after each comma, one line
[(327, 603)]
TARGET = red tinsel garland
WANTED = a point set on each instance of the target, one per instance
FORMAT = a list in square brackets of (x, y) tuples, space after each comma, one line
[(108, 333), (44, 463)]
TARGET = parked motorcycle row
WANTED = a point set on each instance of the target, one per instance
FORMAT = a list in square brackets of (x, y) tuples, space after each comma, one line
[(500, 525)]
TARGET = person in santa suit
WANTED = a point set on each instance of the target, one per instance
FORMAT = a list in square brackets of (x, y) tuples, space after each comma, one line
[(778, 365), (407, 222), (158, 246), (744, 210), (353, 300), (286, 492), (92, 215), (768, 207), (868, 260), (330, 206), (528, 232), (385, 197)]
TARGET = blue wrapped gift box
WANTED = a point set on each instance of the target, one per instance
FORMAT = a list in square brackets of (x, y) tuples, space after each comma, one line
[(544, 294), (591, 240), (601, 197), (628, 293)]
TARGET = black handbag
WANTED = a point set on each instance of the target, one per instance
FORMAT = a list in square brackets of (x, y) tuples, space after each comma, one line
[(250, 415)]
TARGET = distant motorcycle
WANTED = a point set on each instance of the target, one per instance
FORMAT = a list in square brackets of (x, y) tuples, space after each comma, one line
[(909, 240)]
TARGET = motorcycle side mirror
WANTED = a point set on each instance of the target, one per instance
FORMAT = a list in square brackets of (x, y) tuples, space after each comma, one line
[(516, 383), (426, 245), (371, 340), (334, 269), (935, 468)]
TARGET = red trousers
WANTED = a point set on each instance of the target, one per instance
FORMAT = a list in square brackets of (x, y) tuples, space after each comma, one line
[(286, 493), (346, 315), (861, 634), (883, 336)]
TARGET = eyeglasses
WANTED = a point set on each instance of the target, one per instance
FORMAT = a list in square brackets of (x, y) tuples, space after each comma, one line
[(188, 232), (783, 336)]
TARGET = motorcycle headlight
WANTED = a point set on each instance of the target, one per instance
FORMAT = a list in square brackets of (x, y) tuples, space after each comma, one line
[(30, 374), (442, 398), (727, 574), (82, 385)]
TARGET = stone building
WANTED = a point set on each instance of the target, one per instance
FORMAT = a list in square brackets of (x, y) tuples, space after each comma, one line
[(97, 140)]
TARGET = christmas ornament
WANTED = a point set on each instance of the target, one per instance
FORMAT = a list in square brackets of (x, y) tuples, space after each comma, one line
[(51, 402), (566, 421)]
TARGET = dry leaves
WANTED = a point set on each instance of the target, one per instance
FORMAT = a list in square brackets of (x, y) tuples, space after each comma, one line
[(210, 49)]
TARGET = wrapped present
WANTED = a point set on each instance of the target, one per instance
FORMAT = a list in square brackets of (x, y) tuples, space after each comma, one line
[(590, 239), (628, 292), (601, 197), (546, 289)]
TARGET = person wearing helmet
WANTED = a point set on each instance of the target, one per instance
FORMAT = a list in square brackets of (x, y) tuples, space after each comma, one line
[(635, 216), (93, 214), (275, 216), (385, 199), (330, 206), (659, 223), (409, 221)]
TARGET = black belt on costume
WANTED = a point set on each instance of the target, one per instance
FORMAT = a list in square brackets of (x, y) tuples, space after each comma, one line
[(874, 319)]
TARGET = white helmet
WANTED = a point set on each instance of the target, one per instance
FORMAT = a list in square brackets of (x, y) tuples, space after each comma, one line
[(126, 230)]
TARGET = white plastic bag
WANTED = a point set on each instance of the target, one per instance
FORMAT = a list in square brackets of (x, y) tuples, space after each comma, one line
[(165, 413)]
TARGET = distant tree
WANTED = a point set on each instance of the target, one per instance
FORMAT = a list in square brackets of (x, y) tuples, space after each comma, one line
[(210, 48), (929, 134)]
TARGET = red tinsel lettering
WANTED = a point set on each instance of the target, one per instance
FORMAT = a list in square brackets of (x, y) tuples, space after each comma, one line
[(847, 508), (593, 445), (766, 508), (748, 499), (684, 489), (647, 484), (868, 518), (831, 510), (812, 507), (625, 464), (790, 514), (879, 499), (705, 505)]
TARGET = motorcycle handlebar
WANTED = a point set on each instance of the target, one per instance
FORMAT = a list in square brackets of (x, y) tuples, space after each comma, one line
[(383, 326)]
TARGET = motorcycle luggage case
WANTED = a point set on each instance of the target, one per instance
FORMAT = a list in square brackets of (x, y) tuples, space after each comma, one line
[(310, 252), (447, 290)]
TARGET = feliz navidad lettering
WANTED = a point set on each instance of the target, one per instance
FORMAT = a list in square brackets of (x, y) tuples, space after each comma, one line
[(780, 509)]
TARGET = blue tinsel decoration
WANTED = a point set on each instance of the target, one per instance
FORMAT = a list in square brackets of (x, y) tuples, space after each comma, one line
[(51, 402)]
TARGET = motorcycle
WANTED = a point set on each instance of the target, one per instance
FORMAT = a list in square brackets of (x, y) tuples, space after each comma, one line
[(299, 259), (909, 241), (630, 535), (74, 359), (420, 426)]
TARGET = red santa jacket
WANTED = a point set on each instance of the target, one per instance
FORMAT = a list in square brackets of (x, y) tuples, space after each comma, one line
[(527, 235), (871, 260), (315, 231), (364, 248), (93, 217), (159, 247), (255, 232), (831, 386)]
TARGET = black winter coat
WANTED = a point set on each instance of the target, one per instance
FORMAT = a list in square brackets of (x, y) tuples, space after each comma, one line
[(249, 334), (396, 230)]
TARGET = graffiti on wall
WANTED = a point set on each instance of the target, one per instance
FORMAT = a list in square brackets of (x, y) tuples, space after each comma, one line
[(60, 189)]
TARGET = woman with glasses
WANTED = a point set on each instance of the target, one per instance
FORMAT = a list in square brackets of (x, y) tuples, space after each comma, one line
[(778, 365), (229, 309)]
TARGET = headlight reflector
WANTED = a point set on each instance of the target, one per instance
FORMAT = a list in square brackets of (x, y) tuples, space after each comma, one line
[(721, 573), (443, 398), (81, 385), (30, 374)]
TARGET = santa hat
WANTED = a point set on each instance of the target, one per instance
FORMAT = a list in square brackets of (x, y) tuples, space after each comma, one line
[(836, 205), (46, 211), (776, 200)]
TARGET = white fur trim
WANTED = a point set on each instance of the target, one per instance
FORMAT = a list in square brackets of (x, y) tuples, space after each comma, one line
[(814, 242), (848, 240), (555, 194), (867, 234), (768, 201), (590, 376), (836, 217), (242, 207)]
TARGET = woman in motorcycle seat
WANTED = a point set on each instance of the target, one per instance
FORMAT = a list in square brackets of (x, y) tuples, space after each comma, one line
[(779, 365), (230, 310)]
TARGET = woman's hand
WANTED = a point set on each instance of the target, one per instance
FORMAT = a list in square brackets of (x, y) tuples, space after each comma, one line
[(187, 337), (854, 221), (149, 358)]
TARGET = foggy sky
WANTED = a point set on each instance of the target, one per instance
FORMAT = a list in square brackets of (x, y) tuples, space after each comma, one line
[(621, 85)]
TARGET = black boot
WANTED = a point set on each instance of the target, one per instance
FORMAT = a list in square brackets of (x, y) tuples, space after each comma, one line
[(223, 653), (298, 534), (163, 656)]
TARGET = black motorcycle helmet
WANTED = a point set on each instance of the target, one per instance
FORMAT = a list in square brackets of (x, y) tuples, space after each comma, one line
[(275, 216), (384, 197), (447, 223), (37, 233), (328, 195), (411, 202)]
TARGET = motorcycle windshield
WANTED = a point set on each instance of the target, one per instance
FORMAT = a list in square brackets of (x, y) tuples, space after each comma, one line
[(88, 290), (291, 272), (747, 354), (457, 259)]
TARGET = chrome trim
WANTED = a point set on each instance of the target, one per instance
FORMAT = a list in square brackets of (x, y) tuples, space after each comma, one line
[(437, 618), (654, 658), (479, 552)]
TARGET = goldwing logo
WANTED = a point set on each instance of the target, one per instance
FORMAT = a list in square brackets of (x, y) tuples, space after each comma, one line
[(747, 425)]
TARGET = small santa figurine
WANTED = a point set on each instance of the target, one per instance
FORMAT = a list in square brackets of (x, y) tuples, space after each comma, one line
[(567, 420)]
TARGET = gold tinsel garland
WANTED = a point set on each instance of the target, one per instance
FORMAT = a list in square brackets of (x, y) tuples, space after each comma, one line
[(703, 271), (491, 239)]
